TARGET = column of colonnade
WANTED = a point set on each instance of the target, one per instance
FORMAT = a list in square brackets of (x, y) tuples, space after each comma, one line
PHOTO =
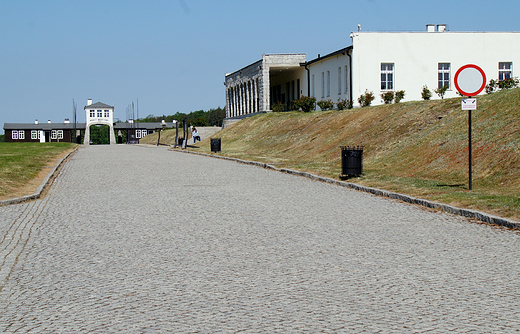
[(243, 98)]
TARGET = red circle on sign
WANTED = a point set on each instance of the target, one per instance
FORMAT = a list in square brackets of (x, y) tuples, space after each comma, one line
[(463, 89)]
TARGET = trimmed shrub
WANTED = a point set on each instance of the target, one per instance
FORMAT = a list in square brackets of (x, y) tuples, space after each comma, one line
[(387, 97), (366, 99), (441, 91), (399, 95), (325, 105), (304, 103), (279, 107), (494, 85), (508, 83), (491, 86), (344, 104), (426, 94)]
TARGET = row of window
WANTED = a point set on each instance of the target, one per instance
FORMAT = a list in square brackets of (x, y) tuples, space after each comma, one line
[(325, 82), (100, 113), (505, 70), (58, 134), (35, 134), (18, 134), (140, 133)]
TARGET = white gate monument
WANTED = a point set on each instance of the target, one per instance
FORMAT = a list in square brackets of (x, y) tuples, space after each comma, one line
[(99, 114)]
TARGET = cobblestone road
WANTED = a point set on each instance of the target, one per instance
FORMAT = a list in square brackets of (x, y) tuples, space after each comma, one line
[(145, 240)]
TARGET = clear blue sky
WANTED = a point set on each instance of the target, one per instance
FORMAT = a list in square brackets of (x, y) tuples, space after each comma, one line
[(172, 55)]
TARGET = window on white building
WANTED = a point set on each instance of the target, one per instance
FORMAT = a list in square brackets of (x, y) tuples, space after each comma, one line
[(322, 84), (92, 113), (54, 134), (339, 80), (444, 75), (107, 114), (34, 134), (504, 71), (313, 92), (328, 83), (387, 76), (346, 79), (99, 113)]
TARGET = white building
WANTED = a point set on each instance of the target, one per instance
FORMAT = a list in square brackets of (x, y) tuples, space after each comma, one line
[(377, 62), (99, 114)]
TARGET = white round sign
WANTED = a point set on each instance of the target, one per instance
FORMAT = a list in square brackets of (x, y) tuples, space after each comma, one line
[(470, 80)]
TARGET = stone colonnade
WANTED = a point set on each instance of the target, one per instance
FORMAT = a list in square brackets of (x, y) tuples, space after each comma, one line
[(243, 98)]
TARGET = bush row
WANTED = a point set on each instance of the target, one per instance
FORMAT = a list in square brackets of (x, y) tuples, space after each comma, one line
[(307, 104)]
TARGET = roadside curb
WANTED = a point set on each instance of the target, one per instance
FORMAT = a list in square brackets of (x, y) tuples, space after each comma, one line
[(472, 214), (42, 185)]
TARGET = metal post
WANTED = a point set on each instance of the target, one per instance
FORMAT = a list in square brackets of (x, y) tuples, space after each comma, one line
[(469, 146), (176, 132), (184, 143)]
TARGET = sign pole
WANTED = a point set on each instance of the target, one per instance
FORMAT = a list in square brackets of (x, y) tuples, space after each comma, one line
[(470, 157), (470, 80)]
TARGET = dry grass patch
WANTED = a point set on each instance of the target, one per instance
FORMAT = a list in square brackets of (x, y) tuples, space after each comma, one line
[(23, 166)]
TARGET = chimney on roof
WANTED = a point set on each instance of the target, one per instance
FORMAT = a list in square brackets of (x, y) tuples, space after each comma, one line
[(49, 121), (89, 102), (436, 28), (66, 121), (35, 121)]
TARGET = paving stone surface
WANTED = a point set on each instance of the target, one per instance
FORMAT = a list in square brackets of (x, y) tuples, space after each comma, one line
[(145, 240)]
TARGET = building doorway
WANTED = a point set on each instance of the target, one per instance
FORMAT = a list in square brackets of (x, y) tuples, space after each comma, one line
[(99, 134)]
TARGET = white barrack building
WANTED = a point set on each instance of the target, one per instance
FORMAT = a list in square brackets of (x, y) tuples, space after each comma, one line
[(375, 61)]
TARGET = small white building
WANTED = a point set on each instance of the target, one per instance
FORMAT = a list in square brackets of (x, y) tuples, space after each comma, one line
[(99, 114), (377, 62)]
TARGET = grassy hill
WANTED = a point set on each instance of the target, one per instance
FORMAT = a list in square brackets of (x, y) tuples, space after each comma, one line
[(417, 148)]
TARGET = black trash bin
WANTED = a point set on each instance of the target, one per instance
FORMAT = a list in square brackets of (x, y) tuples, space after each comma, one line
[(215, 144), (351, 161)]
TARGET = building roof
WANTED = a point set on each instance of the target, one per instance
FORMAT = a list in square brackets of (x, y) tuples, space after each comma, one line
[(140, 125), (98, 105), (335, 53), (42, 126), (80, 126)]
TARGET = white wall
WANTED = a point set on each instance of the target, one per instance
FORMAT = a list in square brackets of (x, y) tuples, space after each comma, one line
[(330, 64), (416, 56)]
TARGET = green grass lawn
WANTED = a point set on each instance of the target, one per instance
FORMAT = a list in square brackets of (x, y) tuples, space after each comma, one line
[(21, 162)]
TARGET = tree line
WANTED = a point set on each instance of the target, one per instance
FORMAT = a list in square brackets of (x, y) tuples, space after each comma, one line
[(212, 117)]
